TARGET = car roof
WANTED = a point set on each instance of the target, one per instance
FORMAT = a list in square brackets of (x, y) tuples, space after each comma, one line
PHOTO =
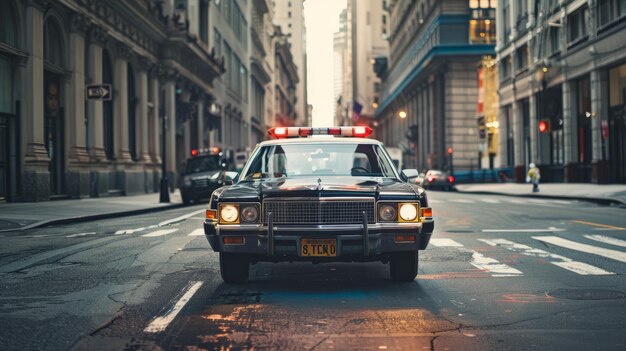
[(321, 139)]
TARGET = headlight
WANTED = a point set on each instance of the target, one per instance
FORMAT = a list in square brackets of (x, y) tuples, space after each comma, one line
[(187, 181), (387, 213), (408, 212), (250, 214), (229, 213)]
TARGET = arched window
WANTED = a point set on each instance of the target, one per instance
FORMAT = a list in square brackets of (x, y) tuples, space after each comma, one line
[(54, 136), (107, 107), (132, 118), (53, 43)]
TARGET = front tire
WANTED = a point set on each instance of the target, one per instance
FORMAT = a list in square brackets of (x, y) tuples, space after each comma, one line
[(403, 266), (234, 268)]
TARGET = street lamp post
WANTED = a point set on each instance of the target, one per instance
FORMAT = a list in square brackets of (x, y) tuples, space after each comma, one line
[(165, 191)]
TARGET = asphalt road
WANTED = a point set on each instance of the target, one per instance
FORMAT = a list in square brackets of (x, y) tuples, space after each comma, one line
[(500, 273)]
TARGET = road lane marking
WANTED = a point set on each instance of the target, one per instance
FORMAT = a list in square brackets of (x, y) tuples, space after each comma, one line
[(79, 234), (479, 260), (607, 240), (548, 230), (129, 231), (462, 201), (160, 233), (490, 201), (599, 225), (197, 232), (608, 253), (159, 324), (494, 266), (562, 261), (439, 242), (181, 218)]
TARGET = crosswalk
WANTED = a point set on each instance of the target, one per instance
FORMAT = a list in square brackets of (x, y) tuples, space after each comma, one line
[(503, 200), (500, 256)]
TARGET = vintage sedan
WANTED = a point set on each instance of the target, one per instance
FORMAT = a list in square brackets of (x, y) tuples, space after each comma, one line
[(319, 195)]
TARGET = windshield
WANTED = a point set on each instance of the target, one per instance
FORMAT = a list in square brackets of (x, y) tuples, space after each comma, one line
[(203, 164), (319, 159)]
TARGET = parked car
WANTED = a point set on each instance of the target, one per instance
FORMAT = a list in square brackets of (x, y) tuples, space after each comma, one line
[(205, 171), (319, 199), (435, 179)]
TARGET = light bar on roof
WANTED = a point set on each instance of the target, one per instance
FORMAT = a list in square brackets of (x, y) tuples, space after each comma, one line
[(295, 132)]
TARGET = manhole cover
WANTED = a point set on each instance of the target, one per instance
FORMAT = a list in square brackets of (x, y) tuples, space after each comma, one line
[(587, 294)]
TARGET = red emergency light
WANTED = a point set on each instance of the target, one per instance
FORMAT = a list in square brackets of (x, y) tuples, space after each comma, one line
[(295, 132)]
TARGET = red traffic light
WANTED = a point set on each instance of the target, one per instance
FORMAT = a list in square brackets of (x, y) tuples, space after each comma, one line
[(544, 126), (450, 150)]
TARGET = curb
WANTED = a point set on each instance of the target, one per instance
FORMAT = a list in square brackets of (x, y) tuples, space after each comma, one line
[(95, 217), (611, 201)]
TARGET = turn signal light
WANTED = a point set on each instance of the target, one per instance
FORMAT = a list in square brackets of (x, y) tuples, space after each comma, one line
[(427, 212), (405, 238), (233, 240), (210, 214)]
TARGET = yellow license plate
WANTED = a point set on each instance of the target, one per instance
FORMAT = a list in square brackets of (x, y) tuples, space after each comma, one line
[(318, 247)]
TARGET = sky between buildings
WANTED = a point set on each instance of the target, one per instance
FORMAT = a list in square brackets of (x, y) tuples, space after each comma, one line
[(322, 20)]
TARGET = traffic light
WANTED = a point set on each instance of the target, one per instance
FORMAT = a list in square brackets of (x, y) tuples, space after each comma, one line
[(544, 126)]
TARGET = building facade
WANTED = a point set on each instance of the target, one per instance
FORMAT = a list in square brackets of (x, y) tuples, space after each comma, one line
[(562, 73), (430, 84), (284, 81), (178, 75), (360, 41), (56, 143), (289, 15)]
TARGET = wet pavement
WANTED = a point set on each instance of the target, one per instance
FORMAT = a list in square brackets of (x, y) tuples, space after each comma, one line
[(501, 273)]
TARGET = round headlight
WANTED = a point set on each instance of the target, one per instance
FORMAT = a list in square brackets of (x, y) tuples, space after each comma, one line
[(387, 213), (229, 213), (408, 212), (250, 214)]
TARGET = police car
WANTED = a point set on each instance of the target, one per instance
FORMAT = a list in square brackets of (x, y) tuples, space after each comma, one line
[(319, 195), (205, 171)]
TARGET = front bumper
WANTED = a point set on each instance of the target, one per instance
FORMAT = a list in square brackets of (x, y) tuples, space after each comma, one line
[(355, 242)]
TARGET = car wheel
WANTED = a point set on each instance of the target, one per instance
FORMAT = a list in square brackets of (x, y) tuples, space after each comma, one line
[(403, 266), (234, 267)]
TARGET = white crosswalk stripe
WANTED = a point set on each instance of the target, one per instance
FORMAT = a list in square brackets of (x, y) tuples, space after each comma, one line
[(489, 201), (561, 261), (479, 260), (462, 201), (607, 240), (160, 232), (573, 245), (197, 232)]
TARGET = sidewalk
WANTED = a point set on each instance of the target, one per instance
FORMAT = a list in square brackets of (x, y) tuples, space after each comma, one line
[(610, 194), (26, 215)]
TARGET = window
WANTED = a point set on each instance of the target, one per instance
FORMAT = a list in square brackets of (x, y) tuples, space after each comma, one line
[(522, 58), (244, 79), (7, 26), (610, 10), (227, 64), (554, 40), (236, 75), (482, 24), (204, 21), (217, 42), (576, 27), (505, 68), (289, 14)]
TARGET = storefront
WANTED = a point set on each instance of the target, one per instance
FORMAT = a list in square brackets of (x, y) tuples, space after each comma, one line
[(616, 133)]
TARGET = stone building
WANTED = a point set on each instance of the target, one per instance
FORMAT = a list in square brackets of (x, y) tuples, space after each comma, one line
[(430, 85), (156, 57), (360, 41), (284, 81), (289, 15), (562, 73)]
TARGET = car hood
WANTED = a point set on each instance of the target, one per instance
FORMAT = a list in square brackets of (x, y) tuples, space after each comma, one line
[(380, 188)]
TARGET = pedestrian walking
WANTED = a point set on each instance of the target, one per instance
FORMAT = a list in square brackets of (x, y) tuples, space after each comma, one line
[(533, 176)]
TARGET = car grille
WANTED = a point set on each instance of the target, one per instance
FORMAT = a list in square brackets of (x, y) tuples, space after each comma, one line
[(319, 212), (201, 183)]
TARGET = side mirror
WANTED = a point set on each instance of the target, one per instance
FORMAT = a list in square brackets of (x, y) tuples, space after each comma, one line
[(230, 178), (410, 173)]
